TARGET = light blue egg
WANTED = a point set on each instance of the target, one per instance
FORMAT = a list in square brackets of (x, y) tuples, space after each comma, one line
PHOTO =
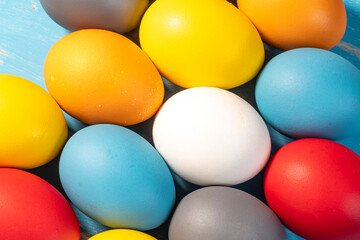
[(117, 178), (310, 92)]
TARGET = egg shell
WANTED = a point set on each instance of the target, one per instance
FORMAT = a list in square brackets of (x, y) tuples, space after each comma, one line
[(116, 15), (297, 23), (213, 213), (117, 178), (32, 127), (313, 185), (94, 76), (210, 136), (310, 92), (127, 234), (201, 43), (32, 209)]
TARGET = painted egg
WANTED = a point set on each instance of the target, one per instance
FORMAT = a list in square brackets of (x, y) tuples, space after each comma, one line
[(310, 92), (119, 234), (117, 178), (210, 136), (313, 185), (32, 127), (297, 23), (94, 76), (214, 213), (201, 43), (32, 209), (116, 15)]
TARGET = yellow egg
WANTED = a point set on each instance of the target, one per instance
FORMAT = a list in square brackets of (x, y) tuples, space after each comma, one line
[(33, 128), (122, 234), (201, 43)]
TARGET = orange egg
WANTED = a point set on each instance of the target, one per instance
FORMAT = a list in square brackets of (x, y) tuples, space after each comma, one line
[(288, 24), (98, 76)]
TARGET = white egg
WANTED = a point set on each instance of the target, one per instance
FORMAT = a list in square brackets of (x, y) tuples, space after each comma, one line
[(210, 136)]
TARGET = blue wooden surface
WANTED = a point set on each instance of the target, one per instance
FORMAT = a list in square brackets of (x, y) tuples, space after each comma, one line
[(349, 47), (27, 34)]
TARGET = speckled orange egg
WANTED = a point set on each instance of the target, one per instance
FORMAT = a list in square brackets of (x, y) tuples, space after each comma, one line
[(98, 76), (288, 24)]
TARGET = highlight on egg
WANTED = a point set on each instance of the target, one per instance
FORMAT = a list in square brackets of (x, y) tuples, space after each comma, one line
[(297, 23), (117, 178), (98, 76), (201, 43), (210, 136), (309, 92), (32, 209), (313, 185)]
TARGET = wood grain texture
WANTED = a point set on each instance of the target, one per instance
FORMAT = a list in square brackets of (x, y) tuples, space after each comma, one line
[(27, 34), (349, 47)]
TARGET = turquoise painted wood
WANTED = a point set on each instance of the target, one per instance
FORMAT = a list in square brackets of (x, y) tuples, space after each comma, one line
[(349, 47), (27, 34)]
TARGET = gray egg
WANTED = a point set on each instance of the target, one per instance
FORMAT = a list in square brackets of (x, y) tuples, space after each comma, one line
[(115, 15), (224, 213)]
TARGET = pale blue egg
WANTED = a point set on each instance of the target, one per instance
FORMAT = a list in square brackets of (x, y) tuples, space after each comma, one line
[(117, 178), (310, 92)]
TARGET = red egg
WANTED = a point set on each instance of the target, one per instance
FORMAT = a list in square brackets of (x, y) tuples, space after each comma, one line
[(313, 185), (32, 209)]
